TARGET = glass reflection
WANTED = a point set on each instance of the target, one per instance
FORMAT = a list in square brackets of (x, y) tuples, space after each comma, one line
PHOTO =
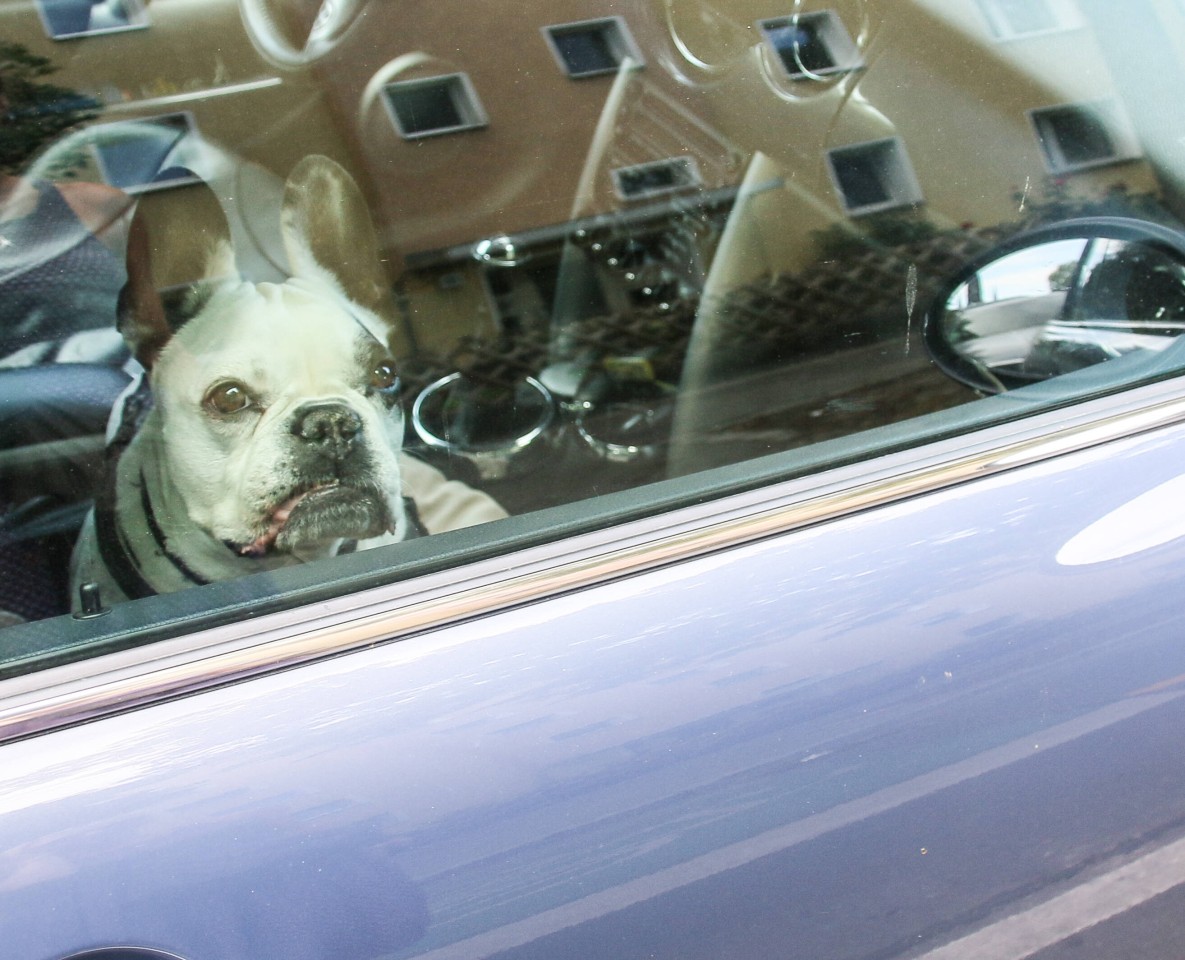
[(1064, 305)]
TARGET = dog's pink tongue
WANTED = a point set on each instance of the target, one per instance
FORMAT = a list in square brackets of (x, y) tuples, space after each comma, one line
[(263, 543)]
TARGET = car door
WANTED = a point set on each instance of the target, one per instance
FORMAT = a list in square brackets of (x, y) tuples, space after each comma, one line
[(822, 623), (913, 706)]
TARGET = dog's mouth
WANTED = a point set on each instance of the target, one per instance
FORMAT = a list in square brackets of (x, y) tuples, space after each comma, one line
[(321, 513)]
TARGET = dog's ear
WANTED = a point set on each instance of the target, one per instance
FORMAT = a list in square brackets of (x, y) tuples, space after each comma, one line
[(325, 218), (177, 239)]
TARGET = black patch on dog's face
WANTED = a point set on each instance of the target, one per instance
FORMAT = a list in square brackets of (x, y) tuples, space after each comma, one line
[(183, 303)]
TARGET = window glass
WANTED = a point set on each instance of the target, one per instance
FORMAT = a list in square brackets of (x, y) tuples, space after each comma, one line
[(1008, 19), (132, 155), (434, 105), (592, 47), (1080, 135), (653, 179), (298, 297), (874, 176), (808, 44), (1025, 17), (74, 18)]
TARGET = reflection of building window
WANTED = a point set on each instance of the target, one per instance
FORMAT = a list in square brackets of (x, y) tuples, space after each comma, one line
[(434, 105), (79, 18), (134, 154), (873, 176), (1021, 18), (655, 179), (811, 44), (1079, 136), (592, 47)]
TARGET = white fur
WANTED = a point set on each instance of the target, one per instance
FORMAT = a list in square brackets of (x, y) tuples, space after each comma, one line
[(226, 468), (215, 480)]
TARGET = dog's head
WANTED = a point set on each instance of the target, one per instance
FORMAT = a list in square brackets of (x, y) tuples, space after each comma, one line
[(274, 403)]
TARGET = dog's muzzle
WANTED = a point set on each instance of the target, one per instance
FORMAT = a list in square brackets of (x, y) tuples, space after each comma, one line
[(329, 427), (337, 494)]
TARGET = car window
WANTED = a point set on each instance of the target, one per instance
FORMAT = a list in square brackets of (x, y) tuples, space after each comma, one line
[(298, 296)]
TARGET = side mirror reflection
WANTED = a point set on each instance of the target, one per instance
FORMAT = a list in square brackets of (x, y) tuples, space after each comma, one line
[(1058, 300)]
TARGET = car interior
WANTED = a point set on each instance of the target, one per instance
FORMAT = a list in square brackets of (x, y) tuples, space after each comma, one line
[(759, 240)]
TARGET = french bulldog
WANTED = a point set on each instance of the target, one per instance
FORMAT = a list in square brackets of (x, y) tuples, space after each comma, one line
[(265, 430)]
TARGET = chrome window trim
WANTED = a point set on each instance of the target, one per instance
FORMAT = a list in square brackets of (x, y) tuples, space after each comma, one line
[(74, 693)]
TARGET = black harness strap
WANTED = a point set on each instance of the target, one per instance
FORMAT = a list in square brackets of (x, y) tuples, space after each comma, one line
[(159, 536), (112, 548), (415, 526)]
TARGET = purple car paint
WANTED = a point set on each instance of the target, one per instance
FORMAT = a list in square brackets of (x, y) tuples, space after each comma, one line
[(860, 739)]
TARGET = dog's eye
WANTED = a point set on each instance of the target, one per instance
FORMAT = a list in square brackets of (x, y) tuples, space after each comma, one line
[(383, 376), (228, 397)]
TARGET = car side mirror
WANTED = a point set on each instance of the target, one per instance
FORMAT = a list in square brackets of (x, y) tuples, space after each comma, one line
[(1058, 299)]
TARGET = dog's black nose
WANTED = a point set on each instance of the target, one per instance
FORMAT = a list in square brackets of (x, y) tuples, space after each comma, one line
[(328, 425)]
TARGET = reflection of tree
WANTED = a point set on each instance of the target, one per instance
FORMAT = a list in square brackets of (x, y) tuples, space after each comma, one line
[(1055, 202), (893, 228), (1063, 276), (1058, 200), (33, 112)]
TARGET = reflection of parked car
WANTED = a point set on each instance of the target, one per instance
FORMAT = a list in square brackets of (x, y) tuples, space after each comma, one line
[(795, 642), (1119, 294), (1002, 333), (1053, 345)]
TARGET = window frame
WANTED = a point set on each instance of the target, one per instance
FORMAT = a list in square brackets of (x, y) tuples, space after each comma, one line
[(187, 127), (190, 646), (613, 30), (1109, 116), (137, 20), (840, 46), (1063, 13), (906, 191), (462, 93), (692, 179)]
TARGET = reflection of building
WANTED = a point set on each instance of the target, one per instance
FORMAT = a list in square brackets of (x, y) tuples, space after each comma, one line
[(470, 123), (73, 18)]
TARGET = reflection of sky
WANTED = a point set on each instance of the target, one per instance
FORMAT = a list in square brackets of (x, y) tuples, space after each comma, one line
[(1025, 273)]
